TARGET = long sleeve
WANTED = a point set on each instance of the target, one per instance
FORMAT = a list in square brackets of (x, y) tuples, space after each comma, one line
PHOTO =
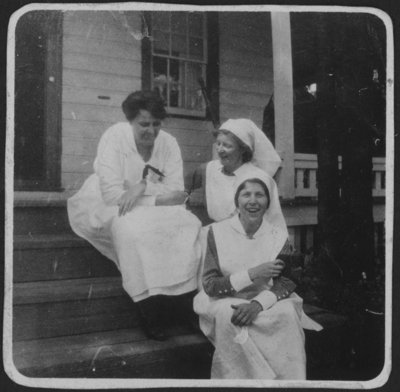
[(214, 283), (109, 168), (292, 259), (281, 289), (282, 286), (198, 178), (172, 170)]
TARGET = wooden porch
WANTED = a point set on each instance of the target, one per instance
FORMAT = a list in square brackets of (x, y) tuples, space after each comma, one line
[(72, 318)]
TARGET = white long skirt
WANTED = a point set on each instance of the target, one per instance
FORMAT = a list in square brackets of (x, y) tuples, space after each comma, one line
[(157, 249), (273, 347)]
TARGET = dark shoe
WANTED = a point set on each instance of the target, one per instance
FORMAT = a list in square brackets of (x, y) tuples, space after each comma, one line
[(192, 320), (154, 332), (150, 320), (187, 315)]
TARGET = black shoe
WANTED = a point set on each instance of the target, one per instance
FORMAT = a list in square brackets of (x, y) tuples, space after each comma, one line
[(154, 332), (187, 315), (150, 320)]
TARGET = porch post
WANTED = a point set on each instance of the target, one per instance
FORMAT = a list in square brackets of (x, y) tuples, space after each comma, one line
[(283, 100)]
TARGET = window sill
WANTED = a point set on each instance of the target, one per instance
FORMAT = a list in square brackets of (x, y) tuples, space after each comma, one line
[(186, 113)]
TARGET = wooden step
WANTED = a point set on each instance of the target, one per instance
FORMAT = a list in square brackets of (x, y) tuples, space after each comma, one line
[(44, 320), (69, 307), (51, 217), (67, 290), (41, 219), (123, 353), (42, 257)]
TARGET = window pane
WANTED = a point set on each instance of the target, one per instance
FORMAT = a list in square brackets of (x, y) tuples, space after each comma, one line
[(194, 96), (160, 76), (196, 24), (178, 22), (160, 21), (179, 45), (196, 48), (176, 79), (161, 42)]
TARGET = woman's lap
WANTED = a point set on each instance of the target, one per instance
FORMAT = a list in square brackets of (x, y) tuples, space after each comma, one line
[(157, 248)]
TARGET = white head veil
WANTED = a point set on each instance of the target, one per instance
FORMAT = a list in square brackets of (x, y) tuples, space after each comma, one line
[(264, 155), (273, 214)]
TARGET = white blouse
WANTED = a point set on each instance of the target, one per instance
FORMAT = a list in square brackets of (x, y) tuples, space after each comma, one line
[(118, 165)]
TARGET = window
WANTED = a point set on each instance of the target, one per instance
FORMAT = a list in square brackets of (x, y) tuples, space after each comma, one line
[(178, 58), (38, 101)]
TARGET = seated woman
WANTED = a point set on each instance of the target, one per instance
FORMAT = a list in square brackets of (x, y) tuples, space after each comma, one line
[(242, 148), (132, 209), (247, 309)]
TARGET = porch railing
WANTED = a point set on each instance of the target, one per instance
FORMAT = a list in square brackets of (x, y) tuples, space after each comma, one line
[(306, 175)]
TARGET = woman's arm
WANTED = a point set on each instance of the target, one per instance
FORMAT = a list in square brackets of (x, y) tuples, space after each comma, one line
[(214, 283), (171, 199), (198, 178), (217, 285), (109, 167), (180, 197), (282, 286)]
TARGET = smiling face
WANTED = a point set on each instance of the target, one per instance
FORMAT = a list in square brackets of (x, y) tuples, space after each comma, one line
[(145, 128), (229, 152), (252, 202)]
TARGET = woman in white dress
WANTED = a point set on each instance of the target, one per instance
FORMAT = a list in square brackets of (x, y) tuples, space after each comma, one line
[(247, 309), (132, 209)]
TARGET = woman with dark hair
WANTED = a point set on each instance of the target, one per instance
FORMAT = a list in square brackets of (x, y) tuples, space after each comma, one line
[(248, 308), (132, 209)]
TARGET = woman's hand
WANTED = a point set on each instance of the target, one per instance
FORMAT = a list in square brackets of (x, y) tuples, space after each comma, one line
[(128, 199), (246, 313), (268, 270), (171, 198)]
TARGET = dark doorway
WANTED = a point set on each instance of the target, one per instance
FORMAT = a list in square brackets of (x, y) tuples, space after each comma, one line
[(38, 46)]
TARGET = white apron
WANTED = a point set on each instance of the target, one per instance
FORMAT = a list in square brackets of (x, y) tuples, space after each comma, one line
[(273, 346)]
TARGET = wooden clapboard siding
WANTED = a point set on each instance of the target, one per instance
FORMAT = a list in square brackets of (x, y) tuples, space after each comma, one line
[(246, 77), (249, 58), (252, 99), (240, 84), (195, 142), (95, 46), (249, 71), (78, 164), (111, 82), (99, 97), (242, 111), (101, 65), (83, 112), (103, 25), (86, 130)]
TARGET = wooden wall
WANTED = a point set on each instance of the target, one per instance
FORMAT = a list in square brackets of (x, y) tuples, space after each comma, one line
[(101, 66), (246, 74)]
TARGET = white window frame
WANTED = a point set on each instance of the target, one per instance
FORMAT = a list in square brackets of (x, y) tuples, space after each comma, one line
[(184, 60)]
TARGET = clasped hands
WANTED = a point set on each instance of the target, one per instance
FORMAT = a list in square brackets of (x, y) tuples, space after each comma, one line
[(245, 313)]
